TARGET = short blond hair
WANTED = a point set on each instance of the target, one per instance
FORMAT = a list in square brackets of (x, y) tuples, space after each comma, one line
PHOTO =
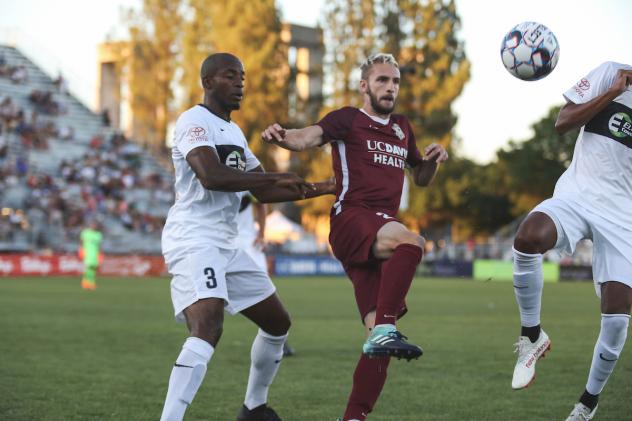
[(375, 59)]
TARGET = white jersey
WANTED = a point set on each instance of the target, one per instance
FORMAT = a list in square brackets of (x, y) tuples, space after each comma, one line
[(599, 178), (200, 216), (245, 220)]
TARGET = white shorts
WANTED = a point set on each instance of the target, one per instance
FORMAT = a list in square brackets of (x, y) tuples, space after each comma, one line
[(229, 274), (612, 244), (253, 251)]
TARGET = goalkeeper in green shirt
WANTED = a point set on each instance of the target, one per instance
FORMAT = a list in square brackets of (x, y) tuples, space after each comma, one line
[(91, 239)]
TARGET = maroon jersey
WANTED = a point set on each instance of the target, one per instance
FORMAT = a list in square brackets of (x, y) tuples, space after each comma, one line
[(369, 158)]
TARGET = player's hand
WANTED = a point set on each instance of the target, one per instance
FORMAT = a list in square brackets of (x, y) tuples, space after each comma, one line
[(622, 81), (293, 181), (259, 243), (330, 185), (274, 134), (435, 152)]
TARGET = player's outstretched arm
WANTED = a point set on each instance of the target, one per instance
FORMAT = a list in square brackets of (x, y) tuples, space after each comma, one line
[(216, 176), (287, 193), (424, 173), (573, 116), (293, 139)]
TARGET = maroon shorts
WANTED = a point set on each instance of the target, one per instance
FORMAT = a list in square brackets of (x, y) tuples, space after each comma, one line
[(352, 234)]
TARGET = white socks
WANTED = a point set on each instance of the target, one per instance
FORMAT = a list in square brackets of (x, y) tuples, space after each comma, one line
[(266, 354), (186, 377), (528, 282), (614, 330)]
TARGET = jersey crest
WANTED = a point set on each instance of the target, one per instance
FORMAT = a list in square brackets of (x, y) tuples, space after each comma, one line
[(232, 156), (398, 131), (614, 122)]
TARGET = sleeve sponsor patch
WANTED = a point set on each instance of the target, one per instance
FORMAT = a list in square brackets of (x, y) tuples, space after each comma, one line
[(581, 87), (196, 134)]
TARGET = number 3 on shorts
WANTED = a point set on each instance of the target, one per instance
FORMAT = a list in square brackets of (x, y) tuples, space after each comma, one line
[(210, 275)]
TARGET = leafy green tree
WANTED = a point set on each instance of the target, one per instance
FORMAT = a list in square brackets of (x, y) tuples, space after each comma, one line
[(531, 168), (423, 37), (435, 71), (251, 30), (197, 44), (151, 67), (350, 34)]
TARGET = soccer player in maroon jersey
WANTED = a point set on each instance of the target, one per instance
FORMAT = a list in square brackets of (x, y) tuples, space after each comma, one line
[(371, 147)]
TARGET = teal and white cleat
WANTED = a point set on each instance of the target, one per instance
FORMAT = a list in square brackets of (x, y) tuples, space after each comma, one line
[(528, 354), (387, 341), (581, 413)]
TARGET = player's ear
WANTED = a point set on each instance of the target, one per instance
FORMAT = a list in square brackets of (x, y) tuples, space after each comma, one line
[(364, 86), (207, 82)]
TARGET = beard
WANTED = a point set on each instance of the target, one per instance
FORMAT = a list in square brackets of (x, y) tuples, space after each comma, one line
[(375, 104)]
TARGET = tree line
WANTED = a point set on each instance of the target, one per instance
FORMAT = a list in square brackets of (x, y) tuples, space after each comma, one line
[(170, 38)]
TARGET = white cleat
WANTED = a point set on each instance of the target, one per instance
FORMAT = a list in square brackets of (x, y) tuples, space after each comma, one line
[(528, 354), (581, 413)]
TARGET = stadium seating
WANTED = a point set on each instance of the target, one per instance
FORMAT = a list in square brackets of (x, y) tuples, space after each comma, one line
[(48, 190)]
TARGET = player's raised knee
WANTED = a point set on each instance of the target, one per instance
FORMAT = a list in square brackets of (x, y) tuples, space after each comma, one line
[(530, 241), (408, 237)]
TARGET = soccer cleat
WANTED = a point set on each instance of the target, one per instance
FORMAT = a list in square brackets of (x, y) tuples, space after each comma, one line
[(260, 413), (88, 285), (385, 341), (528, 354), (581, 413)]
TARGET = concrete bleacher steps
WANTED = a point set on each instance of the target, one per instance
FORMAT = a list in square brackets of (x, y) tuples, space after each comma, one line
[(86, 125)]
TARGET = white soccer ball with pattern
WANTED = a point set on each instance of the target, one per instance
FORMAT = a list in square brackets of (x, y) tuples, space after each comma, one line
[(530, 51)]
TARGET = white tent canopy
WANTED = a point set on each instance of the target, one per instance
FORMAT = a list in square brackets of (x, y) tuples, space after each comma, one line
[(280, 229)]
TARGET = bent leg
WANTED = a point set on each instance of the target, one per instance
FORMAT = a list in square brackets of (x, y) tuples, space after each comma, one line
[(204, 320), (405, 249), (536, 235), (89, 280), (267, 348)]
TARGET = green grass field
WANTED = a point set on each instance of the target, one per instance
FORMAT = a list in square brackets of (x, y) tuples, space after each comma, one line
[(68, 354)]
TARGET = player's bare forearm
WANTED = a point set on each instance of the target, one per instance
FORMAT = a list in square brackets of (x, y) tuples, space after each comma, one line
[(424, 173), (214, 175), (228, 179), (275, 194), (322, 188), (573, 116), (261, 210), (296, 140)]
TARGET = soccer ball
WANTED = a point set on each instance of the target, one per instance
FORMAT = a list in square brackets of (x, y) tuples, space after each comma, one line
[(530, 51)]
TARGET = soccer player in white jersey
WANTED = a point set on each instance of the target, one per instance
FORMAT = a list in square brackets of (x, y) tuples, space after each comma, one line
[(592, 200), (210, 274)]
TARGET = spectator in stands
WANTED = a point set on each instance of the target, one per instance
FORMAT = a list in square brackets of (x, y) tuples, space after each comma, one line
[(9, 112), (19, 74), (21, 166), (61, 84), (4, 151), (4, 66), (66, 132), (105, 117)]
